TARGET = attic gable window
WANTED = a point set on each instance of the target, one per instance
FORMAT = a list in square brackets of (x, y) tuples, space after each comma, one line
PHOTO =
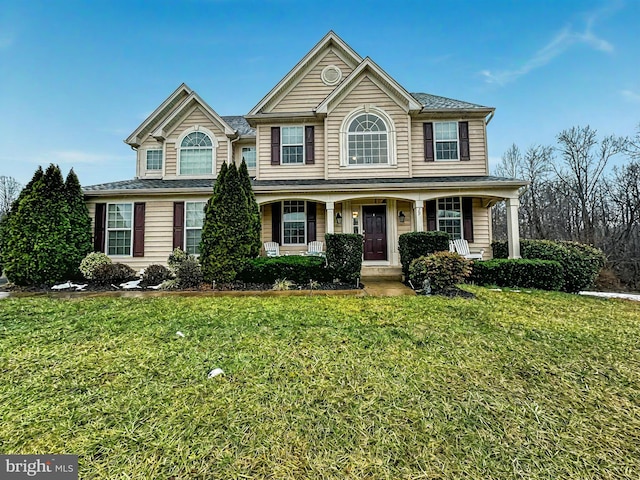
[(154, 159), (368, 142), (196, 154), (292, 145)]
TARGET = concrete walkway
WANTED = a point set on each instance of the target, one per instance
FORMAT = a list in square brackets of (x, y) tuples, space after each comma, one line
[(385, 287)]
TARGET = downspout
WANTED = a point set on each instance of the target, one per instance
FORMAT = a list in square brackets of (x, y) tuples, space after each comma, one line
[(234, 140)]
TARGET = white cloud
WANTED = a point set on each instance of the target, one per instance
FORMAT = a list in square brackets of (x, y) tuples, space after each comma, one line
[(560, 43), (631, 95)]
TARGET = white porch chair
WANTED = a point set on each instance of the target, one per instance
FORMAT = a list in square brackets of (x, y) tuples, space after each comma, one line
[(315, 249), (462, 247), (272, 249)]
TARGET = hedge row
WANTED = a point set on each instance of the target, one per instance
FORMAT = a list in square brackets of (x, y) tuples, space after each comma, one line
[(420, 244), (581, 263), (295, 268), (524, 273), (344, 255)]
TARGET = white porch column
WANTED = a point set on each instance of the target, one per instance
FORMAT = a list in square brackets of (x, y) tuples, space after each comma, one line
[(513, 231), (330, 219), (418, 207)]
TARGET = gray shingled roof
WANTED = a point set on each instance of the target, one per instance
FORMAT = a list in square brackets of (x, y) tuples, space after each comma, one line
[(199, 184), (240, 124), (434, 102)]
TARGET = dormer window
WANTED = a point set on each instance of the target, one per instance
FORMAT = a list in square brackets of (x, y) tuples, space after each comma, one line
[(154, 159), (196, 154)]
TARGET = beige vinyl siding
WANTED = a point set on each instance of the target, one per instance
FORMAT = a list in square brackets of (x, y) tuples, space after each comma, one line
[(481, 229), (366, 92), (266, 171), (196, 117), (476, 166), (158, 227), (310, 90), (407, 226)]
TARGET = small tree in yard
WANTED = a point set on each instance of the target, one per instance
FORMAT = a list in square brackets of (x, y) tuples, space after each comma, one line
[(255, 225), (224, 249), (80, 225), (36, 245)]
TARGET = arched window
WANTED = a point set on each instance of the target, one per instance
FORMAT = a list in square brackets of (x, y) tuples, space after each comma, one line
[(368, 140), (196, 154)]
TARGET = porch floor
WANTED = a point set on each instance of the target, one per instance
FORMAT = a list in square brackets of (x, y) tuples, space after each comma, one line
[(385, 287)]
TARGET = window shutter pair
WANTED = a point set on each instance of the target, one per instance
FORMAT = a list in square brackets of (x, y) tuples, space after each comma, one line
[(309, 145), (100, 229), (276, 221), (463, 136), (467, 217)]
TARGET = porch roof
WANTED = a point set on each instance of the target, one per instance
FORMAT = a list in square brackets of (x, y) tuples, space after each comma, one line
[(159, 186)]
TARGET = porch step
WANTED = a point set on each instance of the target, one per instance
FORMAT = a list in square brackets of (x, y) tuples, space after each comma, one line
[(386, 273)]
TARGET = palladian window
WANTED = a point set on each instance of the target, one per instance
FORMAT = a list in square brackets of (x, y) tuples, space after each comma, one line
[(196, 154), (367, 140)]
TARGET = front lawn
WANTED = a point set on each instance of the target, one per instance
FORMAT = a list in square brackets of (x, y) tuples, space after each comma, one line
[(509, 385)]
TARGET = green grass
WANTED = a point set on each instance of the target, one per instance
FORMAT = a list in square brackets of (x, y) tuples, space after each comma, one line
[(510, 385)]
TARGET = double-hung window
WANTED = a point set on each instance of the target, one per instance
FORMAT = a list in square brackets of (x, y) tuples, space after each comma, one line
[(450, 216), (446, 140), (196, 154), (293, 222), (249, 156), (292, 144), (119, 228), (154, 159), (194, 220)]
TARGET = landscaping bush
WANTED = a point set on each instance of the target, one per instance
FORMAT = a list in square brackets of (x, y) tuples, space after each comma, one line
[(298, 269), (155, 275), (581, 263), (189, 274), (443, 269), (419, 244), (91, 262), (520, 272), (113, 273), (176, 258), (344, 255)]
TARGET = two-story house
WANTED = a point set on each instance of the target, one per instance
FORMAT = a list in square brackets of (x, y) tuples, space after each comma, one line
[(336, 146)]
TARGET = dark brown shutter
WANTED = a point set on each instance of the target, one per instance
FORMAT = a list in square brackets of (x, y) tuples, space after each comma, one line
[(428, 141), (309, 145), (467, 218), (99, 227), (276, 215), (432, 223), (311, 221), (463, 133), (138, 229), (275, 145), (178, 225)]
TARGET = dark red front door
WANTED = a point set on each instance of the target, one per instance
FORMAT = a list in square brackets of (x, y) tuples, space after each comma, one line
[(375, 232)]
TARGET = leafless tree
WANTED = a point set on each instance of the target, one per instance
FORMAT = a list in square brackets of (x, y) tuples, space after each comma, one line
[(9, 190)]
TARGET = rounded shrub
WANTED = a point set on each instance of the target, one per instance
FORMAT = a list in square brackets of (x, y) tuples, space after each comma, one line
[(176, 258), (189, 274), (443, 269), (155, 275), (91, 262), (115, 273)]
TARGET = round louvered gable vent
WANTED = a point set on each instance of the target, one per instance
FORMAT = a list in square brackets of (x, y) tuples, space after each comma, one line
[(331, 75)]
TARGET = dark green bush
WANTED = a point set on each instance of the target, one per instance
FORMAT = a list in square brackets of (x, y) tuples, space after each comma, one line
[(189, 274), (176, 257), (520, 272), (298, 269), (581, 263), (155, 275), (344, 255), (443, 269), (113, 273), (419, 244)]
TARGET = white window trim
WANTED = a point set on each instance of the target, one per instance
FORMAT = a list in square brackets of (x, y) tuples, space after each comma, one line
[(391, 138), (108, 230), (191, 228), (282, 224), (438, 217), (255, 149), (214, 148), (435, 142), (282, 145), (157, 171)]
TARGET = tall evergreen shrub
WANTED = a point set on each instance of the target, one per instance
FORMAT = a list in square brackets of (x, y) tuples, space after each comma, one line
[(254, 228), (79, 238), (344, 255)]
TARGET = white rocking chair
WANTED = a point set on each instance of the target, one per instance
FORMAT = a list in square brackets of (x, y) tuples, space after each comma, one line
[(462, 247), (272, 249), (315, 249)]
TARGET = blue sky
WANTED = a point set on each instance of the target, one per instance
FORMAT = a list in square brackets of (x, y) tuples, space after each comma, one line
[(76, 77)]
